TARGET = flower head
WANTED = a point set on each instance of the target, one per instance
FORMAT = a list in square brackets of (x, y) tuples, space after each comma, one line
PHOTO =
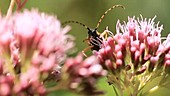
[(134, 52), (32, 46)]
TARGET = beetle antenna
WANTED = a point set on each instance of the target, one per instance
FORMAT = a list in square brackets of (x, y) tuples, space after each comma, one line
[(66, 22), (101, 18)]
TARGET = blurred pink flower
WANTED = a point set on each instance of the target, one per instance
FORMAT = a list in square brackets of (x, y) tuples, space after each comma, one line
[(83, 74), (32, 46)]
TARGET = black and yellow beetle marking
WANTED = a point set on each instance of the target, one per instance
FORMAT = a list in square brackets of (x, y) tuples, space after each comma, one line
[(94, 38)]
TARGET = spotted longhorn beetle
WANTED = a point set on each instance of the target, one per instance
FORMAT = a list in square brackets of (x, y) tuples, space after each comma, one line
[(94, 38)]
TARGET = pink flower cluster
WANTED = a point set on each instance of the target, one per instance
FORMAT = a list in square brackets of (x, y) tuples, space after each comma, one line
[(135, 43), (135, 54), (81, 75), (32, 46)]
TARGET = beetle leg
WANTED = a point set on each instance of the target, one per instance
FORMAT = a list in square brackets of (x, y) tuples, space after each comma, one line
[(86, 49), (86, 40), (104, 34)]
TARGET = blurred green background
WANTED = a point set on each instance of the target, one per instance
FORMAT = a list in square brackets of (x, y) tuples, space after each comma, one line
[(89, 12)]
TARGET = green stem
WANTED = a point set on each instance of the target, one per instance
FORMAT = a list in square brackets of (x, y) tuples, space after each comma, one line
[(115, 91)]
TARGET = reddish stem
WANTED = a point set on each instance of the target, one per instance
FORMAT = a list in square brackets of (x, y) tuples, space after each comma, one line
[(21, 4)]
